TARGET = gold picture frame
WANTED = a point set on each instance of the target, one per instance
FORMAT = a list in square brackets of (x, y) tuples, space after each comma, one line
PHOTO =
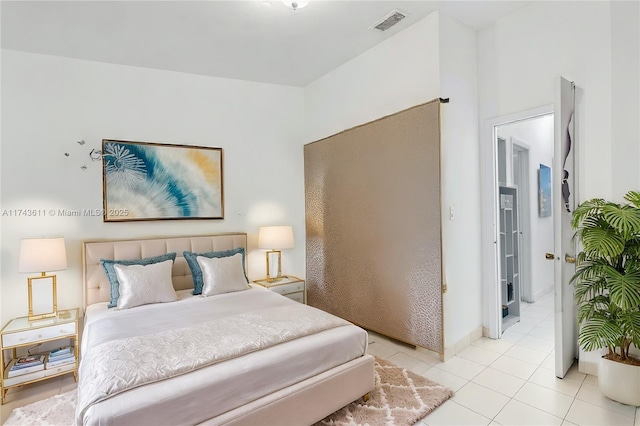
[(43, 301)]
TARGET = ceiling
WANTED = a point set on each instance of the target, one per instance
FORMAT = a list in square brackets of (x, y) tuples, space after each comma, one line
[(253, 40)]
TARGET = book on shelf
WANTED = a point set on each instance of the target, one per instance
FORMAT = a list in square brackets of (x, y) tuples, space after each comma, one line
[(60, 352), (63, 353), (24, 369), (60, 358), (27, 361), (60, 361)]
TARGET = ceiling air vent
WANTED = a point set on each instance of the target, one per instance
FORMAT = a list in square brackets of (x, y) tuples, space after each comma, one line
[(389, 20)]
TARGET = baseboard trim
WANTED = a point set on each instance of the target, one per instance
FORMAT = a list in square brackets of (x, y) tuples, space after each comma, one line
[(544, 291), (430, 352), (451, 351), (588, 367)]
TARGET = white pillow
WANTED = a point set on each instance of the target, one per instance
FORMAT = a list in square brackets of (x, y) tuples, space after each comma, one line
[(143, 284), (222, 274)]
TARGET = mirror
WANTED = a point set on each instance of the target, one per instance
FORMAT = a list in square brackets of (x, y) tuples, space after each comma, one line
[(42, 297)]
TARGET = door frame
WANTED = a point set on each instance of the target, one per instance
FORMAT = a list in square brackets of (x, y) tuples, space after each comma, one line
[(492, 319)]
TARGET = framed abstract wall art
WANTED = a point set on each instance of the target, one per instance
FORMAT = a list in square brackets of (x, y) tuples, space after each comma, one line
[(152, 181), (544, 191)]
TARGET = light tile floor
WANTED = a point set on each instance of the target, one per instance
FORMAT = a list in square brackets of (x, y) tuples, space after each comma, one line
[(511, 381), (497, 382)]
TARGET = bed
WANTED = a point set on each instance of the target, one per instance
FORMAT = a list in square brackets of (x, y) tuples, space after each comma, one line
[(231, 358)]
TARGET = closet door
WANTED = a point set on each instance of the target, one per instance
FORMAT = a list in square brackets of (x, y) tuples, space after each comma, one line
[(372, 205)]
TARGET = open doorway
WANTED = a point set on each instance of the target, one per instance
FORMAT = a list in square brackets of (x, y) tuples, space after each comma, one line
[(519, 144), (525, 155), (555, 198)]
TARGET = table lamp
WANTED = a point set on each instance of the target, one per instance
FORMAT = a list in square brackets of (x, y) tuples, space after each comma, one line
[(42, 255), (274, 239)]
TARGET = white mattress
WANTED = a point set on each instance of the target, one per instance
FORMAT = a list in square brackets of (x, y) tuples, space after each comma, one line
[(213, 390)]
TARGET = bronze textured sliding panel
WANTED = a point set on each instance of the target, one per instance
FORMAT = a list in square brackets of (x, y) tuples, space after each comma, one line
[(373, 225)]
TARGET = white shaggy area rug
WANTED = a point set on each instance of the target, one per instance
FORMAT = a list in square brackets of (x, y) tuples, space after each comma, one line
[(400, 398), (58, 410)]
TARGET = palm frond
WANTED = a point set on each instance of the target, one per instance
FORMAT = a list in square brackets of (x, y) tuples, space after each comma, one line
[(607, 242), (624, 289), (597, 333), (630, 324), (633, 197), (633, 248), (596, 221), (585, 209), (598, 308), (625, 219), (588, 290)]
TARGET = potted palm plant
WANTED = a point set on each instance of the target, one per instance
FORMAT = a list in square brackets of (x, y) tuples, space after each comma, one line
[(607, 291)]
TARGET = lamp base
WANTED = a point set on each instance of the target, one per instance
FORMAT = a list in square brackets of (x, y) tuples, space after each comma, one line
[(270, 279), (42, 297), (279, 275), (41, 317)]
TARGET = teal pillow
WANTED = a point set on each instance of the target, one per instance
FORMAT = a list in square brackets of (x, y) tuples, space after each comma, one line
[(107, 265), (196, 272)]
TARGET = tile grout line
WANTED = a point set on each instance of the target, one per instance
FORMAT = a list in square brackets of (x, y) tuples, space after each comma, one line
[(605, 408)]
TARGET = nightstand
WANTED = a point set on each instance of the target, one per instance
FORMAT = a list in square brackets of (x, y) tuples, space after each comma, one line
[(20, 332), (289, 286)]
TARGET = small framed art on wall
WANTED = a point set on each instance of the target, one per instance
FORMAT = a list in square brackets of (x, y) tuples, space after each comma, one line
[(544, 191)]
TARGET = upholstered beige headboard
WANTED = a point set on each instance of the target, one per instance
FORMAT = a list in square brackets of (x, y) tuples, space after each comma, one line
[(96, 285)]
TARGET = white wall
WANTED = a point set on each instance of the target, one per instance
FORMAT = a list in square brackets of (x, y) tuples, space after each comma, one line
[(436, 57), (50, 102), (460, 184), (522, 54), (625, 93), (538, 135), (400, 72)]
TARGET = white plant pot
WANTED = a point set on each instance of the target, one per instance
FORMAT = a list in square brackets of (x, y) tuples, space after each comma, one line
[(620, 382)]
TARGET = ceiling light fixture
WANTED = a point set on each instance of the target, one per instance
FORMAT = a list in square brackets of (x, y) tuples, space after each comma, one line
[(295, 4)]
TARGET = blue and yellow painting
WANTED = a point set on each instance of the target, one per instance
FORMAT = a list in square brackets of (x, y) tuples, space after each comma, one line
[(145, 181), (544, 191)]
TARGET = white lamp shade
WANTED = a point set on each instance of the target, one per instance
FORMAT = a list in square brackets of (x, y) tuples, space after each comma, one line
[(42, 255), (275, 237)]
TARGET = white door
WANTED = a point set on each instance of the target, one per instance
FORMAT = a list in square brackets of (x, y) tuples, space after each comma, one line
[(563, 204)]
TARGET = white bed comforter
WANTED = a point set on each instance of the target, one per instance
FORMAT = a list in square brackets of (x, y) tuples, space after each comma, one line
[(124, 350)]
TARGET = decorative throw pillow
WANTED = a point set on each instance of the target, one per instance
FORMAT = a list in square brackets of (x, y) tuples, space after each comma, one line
[(144, 284), (222, 274), (107, 265), (190, 257)]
